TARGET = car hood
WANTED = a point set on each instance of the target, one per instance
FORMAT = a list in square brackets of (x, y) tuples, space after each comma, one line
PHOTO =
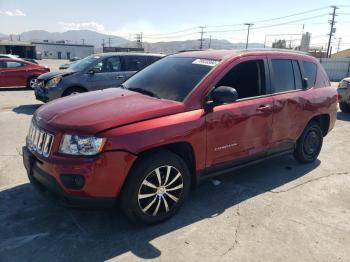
[(93, 112), (50, 75)]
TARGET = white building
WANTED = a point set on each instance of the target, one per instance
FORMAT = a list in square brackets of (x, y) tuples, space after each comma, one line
[(49, 50)]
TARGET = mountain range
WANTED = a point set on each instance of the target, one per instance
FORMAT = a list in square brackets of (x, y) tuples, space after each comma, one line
[(95, 38)]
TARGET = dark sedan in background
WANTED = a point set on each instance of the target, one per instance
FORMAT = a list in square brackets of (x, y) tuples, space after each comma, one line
[(95, 72)]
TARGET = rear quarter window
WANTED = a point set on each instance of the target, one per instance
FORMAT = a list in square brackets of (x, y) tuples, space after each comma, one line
[(310, 70)]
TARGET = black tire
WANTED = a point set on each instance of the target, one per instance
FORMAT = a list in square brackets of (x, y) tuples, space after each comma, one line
[(73, 90), (133, 201), (344, 107), (31, 82), (309, 144)]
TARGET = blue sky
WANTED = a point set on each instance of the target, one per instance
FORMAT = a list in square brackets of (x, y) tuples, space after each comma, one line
[(158, 17)]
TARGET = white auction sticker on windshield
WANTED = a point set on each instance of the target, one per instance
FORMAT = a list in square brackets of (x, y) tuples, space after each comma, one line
[(206, 62)]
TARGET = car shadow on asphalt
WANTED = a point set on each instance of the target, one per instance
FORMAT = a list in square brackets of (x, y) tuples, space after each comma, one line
[(343, 116), (3, 89), (26, 109), (33, 228)]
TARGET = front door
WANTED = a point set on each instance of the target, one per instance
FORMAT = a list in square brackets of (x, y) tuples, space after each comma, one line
[(13, 74), (107, 74), (240, 131)]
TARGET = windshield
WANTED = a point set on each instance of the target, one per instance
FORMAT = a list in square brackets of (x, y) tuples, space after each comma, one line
[(171, 78), (83, 63)]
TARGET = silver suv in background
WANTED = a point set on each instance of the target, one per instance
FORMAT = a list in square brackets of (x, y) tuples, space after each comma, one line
[(95, 72), (344, 95)]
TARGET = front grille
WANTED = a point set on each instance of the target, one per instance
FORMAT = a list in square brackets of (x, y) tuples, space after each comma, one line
[(344, 84), (39, 140)]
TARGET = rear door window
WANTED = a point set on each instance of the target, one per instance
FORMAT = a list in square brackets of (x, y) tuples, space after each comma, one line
[(283, 75), (135, 63), (310, 72)]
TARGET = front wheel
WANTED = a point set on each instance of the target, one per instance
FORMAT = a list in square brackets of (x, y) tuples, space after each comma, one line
[(156, 188), (309, 144), (31, 82)]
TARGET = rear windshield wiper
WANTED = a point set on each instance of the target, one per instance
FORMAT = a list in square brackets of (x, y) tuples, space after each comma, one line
[(143, 91)]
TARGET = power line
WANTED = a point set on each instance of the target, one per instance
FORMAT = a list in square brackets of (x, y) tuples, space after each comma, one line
[(271, 25), (164, 37), (238, 24), (175, 32), (274, 19)]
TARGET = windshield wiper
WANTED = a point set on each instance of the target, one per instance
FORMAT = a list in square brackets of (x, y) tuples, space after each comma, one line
[(144, 91)]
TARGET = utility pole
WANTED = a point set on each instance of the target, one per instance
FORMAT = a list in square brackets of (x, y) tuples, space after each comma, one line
[(103, 45), (83, 40), (209, 41), (249, 25), (141, 36), (339, 41), (202, 33), (139, 40), (332, 31), (109, 41)]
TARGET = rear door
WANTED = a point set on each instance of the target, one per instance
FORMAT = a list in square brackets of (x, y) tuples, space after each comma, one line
[(241, 131), (288, 100)]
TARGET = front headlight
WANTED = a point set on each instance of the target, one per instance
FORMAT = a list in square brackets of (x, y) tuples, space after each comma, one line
[(81, 145), (53, 82)]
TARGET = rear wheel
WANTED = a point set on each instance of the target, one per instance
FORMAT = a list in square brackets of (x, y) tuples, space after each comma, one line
[(309, 144), (344, 107), (156, 188), (31, 82), (73, 91)]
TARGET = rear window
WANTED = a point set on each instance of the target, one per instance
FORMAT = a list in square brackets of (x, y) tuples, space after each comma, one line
[(310, 72)]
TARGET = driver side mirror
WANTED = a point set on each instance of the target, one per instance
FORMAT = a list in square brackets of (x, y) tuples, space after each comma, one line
[(222, 95)]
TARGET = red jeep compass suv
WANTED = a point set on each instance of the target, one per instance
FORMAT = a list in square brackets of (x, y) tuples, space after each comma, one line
[(186, 117)]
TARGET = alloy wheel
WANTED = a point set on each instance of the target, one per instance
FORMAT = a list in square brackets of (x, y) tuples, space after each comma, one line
[(160, 191), (32, 83)]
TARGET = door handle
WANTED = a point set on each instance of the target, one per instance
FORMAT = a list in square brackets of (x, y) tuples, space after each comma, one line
[(263, 108), (120, 77)]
